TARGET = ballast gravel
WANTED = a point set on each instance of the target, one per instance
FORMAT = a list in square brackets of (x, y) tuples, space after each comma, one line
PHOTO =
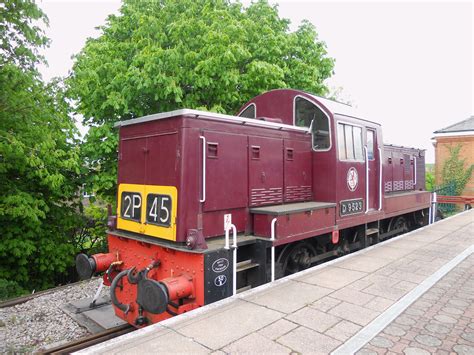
[(41, 322)]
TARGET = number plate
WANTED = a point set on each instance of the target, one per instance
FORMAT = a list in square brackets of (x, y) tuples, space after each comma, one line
[(349, 207), (158, 210), (131, 206)]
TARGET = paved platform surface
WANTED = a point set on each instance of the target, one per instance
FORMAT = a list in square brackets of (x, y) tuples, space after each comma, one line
[(413, 294)]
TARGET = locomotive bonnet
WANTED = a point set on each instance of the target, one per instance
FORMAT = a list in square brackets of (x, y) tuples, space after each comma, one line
[(293, 178)]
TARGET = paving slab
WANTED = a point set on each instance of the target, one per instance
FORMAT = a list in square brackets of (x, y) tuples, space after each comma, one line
[(307, 341), (289, 297), (255, 343), (415, 296), (332, 277), (223, 328)]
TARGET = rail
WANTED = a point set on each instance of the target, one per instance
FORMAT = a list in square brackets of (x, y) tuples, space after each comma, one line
[(22, 299), (273, 236), (90, 340), (433, 208), (414, 173), (234, 254), (380, 179), (366, 179), (203, 198), (468, 201)]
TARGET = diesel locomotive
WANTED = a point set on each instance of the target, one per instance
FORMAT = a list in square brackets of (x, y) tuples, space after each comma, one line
[(212, 204)]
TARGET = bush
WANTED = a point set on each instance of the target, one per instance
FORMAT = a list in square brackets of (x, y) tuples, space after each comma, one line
[(10, 289)]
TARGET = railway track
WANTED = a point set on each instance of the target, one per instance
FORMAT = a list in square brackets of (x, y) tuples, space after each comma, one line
[(22, 299), (90, 340)]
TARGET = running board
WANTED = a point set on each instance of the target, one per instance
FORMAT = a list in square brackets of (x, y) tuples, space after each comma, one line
[(246, 265)]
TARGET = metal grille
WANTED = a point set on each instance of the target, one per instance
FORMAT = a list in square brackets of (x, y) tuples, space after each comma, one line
[(260, 197), (398, 185), (298, 193)]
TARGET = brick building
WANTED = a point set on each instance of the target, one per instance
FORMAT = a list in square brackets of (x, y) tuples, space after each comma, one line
[(458, 133)]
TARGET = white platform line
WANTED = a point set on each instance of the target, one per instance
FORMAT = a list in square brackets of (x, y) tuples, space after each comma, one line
[(383, 320)]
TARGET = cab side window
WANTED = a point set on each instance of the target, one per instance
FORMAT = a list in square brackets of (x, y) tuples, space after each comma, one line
[(370, 144), (349, 142), (249, 112), (308, 115)]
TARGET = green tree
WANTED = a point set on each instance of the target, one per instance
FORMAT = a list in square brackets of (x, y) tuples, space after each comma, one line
[(39, 160), (430, 181), (164, 54), (454, 170), (20, 36)]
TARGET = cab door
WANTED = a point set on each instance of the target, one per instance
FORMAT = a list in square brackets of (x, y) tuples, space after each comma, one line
[(372, 169)]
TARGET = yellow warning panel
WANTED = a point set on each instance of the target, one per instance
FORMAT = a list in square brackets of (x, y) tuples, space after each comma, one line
[(148, 209)]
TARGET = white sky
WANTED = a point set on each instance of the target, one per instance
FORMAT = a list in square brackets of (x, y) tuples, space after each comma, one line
[(408, 65)]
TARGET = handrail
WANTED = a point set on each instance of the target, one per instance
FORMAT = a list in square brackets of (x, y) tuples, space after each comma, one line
[(234, 254), (380, 178), (272, 239), (366, 179), (203, 199), (234, 264), (432, 214), (414, 173)]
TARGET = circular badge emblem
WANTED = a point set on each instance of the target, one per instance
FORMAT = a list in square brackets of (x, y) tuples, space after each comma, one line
[(220, 280), (220, 265), (352, 179)]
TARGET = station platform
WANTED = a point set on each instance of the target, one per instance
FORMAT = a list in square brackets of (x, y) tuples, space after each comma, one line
[(413, 294)]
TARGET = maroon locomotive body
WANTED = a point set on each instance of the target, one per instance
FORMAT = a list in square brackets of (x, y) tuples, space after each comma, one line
[(300, 178)]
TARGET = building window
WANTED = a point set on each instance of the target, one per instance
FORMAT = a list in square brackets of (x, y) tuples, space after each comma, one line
[(308, 114), (249, 112), (349, 142)]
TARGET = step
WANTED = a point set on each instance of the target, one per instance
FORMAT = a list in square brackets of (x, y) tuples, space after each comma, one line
[(372, 231), (242, 289), (246, 265)]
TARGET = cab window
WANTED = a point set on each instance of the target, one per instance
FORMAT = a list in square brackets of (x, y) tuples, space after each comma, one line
[(349, 142), (249, 112), (370, 144), (308, 115)]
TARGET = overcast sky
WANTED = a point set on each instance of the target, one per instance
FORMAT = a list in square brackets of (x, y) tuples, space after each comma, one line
[(408, 65)]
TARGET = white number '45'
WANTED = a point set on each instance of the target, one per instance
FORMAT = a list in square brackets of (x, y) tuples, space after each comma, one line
[(154, 213)]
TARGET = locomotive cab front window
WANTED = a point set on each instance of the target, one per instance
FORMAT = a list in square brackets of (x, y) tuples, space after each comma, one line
[(309, 115)]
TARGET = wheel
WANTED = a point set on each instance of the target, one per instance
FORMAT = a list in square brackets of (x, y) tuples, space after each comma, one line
[(399, 223), (296, 258)]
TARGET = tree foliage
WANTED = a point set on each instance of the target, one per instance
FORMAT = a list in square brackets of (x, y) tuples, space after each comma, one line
[(39, 161), (454, 170), (208, 54), (20, 37), (429, 181)]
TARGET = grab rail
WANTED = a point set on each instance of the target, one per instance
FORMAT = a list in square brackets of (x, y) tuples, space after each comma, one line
[(234, 255), (414, 173), (433, 209), (203, 199), (272, 239), (380, 179), (366, 179)]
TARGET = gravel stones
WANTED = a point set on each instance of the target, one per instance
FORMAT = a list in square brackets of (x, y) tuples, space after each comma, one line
[(31, 326)]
